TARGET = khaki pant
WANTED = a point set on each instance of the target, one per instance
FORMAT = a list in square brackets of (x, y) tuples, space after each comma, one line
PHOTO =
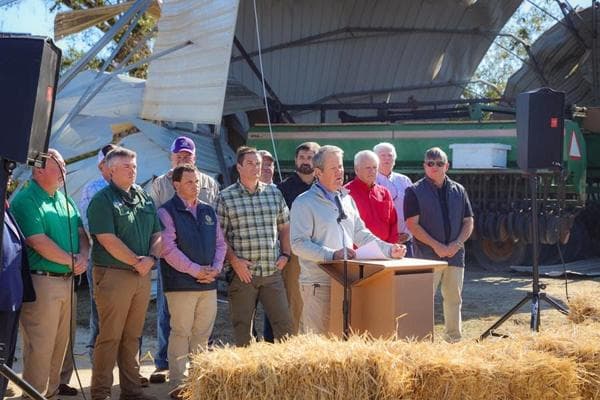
[(291, 276), (270, 291), (45, 329), (316, 311), (122, 300), (193, 316), (451, 280), (67, 368)]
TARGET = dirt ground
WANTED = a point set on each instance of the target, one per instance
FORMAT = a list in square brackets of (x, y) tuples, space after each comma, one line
[(486, 297)]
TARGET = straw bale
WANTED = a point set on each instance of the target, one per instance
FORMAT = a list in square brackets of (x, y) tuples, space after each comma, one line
[(585, 307), (488, 370), (304, 367), (580, 343), (314, 367)]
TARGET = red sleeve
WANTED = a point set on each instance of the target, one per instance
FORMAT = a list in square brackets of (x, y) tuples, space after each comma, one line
[(393, 224)]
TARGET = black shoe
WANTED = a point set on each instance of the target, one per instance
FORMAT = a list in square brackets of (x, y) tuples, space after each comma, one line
[(141, 396), (66, 390), (159, 375), (144, 381)]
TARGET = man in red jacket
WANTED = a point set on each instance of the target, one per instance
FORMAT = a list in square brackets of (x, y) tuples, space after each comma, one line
[(374, 202)]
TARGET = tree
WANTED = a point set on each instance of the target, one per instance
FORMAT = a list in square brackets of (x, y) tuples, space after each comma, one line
[(73, 52), (509, 50)]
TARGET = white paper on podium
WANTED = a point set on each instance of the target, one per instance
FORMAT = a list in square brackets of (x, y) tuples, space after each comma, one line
[(370, 251)]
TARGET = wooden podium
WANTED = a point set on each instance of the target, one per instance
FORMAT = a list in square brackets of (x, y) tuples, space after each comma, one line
[(387, 297)]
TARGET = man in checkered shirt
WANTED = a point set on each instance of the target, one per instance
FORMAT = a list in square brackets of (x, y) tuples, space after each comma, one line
[(255, 222)]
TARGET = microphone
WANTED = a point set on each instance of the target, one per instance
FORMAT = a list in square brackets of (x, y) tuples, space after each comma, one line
[(342, 215)]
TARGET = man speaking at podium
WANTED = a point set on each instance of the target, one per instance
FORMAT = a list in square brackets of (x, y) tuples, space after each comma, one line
[(318, 219)]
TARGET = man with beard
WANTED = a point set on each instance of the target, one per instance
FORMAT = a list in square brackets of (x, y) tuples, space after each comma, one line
[(292, 187)]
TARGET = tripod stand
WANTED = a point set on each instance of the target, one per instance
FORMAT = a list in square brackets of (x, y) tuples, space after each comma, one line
[(13, 377), (536, 294)]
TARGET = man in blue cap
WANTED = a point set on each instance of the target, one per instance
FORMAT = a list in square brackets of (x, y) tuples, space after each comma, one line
[(183, 151)]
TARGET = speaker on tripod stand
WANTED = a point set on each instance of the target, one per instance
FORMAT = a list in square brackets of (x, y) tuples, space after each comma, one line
[(540, 130), (29, 67)]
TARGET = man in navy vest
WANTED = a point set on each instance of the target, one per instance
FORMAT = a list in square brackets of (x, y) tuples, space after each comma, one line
[(192, 256), (15, 288), (439, 215)]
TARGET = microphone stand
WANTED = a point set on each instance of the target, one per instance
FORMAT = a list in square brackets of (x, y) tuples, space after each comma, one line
[(346, 302)]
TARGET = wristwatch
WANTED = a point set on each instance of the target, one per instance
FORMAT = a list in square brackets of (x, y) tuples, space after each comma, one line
[(285, 255), (154, 257)]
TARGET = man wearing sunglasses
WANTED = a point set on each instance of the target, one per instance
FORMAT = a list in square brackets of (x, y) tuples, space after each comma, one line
[(439, 215)]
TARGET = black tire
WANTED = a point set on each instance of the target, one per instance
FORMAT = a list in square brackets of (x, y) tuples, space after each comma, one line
[(495, 256)]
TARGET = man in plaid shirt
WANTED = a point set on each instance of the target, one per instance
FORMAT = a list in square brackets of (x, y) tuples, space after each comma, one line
[(255, 222)]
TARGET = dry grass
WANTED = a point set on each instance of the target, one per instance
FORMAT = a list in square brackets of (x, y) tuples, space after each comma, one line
[(561, 362), (313, 367), (584, 307), (579, 343)]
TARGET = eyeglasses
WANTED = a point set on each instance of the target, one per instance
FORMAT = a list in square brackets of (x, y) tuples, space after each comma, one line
[(431, 163)]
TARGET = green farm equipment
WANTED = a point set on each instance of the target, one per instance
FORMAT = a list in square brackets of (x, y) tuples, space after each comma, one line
[(569, 212)]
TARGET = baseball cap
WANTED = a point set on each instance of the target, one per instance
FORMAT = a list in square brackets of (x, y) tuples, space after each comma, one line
[(104, 151), (266, 153), (183, 143)]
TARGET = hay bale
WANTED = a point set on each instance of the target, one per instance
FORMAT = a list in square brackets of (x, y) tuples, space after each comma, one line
[(488, 370), (304, 367), (580, 343), (314, 367), (584, 307)]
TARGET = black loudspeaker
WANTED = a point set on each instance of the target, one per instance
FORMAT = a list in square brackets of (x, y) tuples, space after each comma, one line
[(29, 68), (540, 126)]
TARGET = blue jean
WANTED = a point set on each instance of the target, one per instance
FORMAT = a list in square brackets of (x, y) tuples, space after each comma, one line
[(163, 325), (409, 248), (268, 331), (94, 310)]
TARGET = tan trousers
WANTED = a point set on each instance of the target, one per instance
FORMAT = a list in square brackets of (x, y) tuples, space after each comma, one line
[(45, 329), (193, 316), (316, 311), (67, 368), (122, 300), (451, 281), (291, 276)]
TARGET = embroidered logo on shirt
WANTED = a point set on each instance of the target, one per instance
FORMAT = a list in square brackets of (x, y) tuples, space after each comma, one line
[(209, 220)]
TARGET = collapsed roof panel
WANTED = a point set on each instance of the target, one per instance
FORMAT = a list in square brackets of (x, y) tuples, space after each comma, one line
[(189, 84), (356, 51), (562, 59)]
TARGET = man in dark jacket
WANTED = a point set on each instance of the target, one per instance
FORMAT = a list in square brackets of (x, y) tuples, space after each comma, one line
[(439, 215), (192, 256), (15, 288)]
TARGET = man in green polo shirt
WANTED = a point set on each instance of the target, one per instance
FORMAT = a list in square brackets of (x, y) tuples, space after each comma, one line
[(126, 233), (58, 248)]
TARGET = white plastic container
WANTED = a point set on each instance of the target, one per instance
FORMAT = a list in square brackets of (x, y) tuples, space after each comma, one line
[(479, 155)]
